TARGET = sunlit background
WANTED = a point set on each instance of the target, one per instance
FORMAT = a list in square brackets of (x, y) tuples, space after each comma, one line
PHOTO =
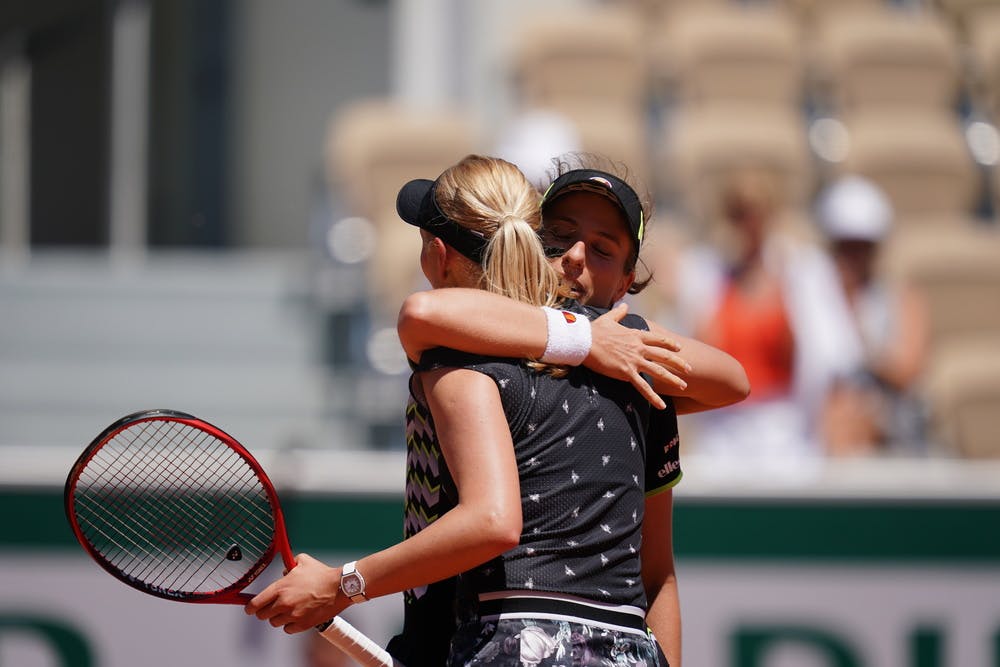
[(197, 212)]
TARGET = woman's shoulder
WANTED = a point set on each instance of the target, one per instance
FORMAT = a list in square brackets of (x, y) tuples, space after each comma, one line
[(631, 320)]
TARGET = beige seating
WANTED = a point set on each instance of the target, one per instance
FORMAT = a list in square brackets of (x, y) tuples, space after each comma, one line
[(721, 52), (593, 56), (964, 14), (811, 12), (372, 149), (996, 183), (656, 9), (589, 66), (703, 146), (617, 133), (958, 271), (963, 390), (919, 158), (984, 51), (889, 58)]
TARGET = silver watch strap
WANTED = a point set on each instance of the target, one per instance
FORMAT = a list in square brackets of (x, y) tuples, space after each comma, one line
[(351, 569)]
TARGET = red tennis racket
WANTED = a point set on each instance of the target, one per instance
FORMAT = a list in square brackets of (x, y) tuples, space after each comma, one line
[(177, 508)]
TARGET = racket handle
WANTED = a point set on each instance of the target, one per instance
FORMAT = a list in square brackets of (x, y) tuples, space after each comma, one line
[(355, 644)]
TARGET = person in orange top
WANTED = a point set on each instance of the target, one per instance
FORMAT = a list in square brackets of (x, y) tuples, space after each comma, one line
[(750, 320), (754, 328), (767, 298)]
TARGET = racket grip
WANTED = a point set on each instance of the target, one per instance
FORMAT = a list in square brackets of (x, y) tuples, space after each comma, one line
[(355, 644)]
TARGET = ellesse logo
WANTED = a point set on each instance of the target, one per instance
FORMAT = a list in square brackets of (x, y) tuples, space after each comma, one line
[(570, 317)]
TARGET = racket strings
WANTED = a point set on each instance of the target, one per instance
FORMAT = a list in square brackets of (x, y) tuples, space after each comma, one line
[(221, 474), (123, 501), (194, 528), (179, 533), (117, 459), (166, 502)]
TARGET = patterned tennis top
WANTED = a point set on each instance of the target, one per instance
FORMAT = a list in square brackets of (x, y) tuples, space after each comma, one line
[(584, 470), (588, 450)]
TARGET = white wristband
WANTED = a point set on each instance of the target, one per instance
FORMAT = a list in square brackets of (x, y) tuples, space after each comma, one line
[(568, 337)]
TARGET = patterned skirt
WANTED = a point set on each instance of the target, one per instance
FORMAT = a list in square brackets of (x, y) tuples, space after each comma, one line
[(518, 630)]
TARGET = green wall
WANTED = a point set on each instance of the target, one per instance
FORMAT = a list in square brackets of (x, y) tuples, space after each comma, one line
[(705, 528)]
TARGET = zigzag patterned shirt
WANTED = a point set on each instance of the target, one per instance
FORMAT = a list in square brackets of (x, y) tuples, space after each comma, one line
[(429, 618)]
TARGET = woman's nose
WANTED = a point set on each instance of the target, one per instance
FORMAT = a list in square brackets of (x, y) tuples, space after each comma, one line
[(575, 254)]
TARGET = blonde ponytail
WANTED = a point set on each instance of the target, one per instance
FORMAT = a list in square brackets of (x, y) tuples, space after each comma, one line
[(492, 197), (515, 265)]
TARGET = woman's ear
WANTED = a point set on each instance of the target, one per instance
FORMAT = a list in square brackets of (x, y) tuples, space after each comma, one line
[(433, 259)]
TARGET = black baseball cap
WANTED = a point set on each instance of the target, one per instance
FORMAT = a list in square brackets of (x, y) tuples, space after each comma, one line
[(417, 205), (605, 183)]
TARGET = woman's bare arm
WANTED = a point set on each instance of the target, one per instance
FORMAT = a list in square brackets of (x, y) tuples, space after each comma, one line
[(485, 523), (659, 576), (483, 323), (715, 378)]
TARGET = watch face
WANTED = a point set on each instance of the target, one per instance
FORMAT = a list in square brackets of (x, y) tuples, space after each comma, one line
[(351, 585)]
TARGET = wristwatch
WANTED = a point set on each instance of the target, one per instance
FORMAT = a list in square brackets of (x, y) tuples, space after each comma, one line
[(352, 583)]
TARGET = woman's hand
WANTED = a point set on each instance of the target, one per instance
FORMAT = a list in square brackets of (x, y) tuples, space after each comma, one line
[(309, 594), (623, 354)]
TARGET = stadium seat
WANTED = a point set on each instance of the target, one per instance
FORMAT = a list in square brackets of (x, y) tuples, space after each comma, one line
[(372, 149), (726, 52), (702, 146), (811, 12), (890, 58), (595, 56), (657, 6), (963, 388), (958, 271), (984, 51), (921, 159), (964, 14), (617, 133), (589, 66)]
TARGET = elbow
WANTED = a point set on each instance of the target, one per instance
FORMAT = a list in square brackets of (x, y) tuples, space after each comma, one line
[(738, 387), (416, 315), (737, 395), (415, 312), (741, 391), (501, 530), (727, 393)]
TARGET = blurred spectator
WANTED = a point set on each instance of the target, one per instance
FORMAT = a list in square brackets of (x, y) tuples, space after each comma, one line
[(750, 319), (769, 298), (874, 407)]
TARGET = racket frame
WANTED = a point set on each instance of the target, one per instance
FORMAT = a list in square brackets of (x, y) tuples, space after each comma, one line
[(337, 631), (230, 594)]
